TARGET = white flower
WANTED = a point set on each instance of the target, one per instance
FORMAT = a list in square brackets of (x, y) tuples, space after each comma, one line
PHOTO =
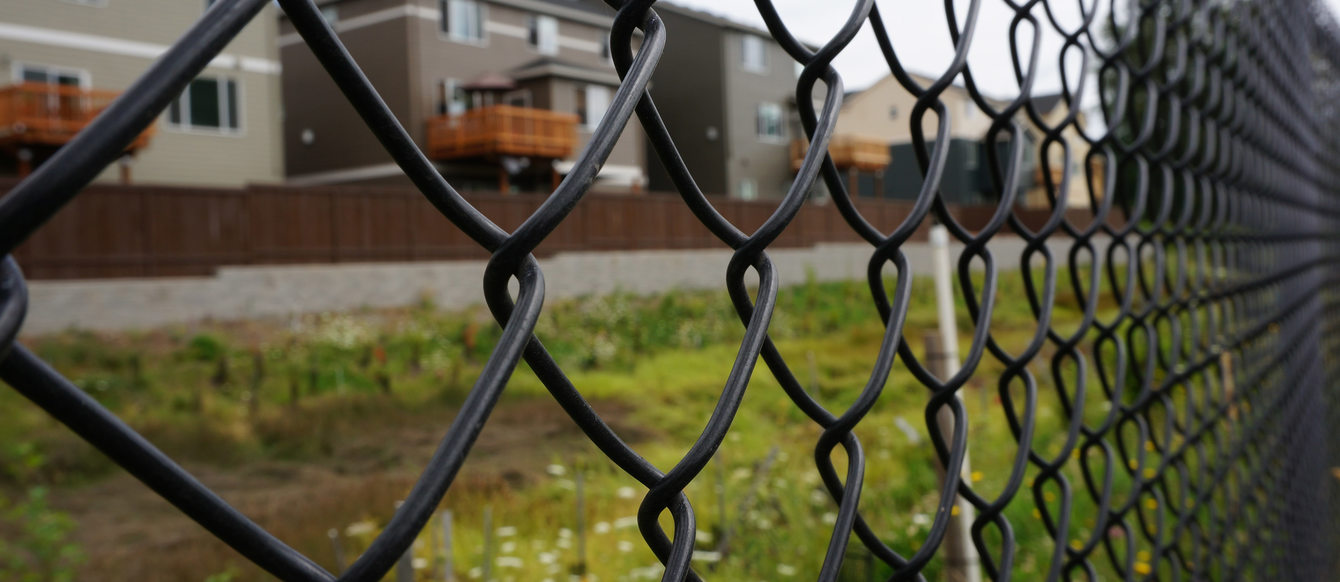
[(419, 563), (506, 531), (508, 562), (626, 493), (556, 470), (702, 537), (360, 528), (475, 572), (564, 543), (786, 570), (830, 518), (507, 547), (703, 556), (564, 533), (819, 497), (625, 546), (921, 519), (548, 557), (602, 527), (625, 522)]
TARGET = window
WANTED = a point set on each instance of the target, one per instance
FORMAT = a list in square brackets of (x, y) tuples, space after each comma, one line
[(451, 99), (893, 112), (748, 189), (753, 54), (331, 13), (605, 49), (53, 75), (542, 33), (463, 20), (207, 103), (969, 109), (592, 101), (770, 121)]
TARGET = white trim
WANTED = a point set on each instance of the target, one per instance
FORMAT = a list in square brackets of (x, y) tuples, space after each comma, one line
[(369, 19), (573, 14), (121, 47), (348, 175), (504, 29), (612, 172), (578, 44)]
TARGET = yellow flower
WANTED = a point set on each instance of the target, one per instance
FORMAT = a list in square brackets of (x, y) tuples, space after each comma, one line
[(976, 476), (1076, 545), (1151, 503), (953, 510), (1037, 514), (1142, 568), (1150, 473), (1142, 556)]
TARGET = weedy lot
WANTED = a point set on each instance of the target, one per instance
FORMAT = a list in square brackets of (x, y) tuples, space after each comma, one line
[(315, 426)]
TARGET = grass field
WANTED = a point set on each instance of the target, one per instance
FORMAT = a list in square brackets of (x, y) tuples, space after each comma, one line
[(320, 423)]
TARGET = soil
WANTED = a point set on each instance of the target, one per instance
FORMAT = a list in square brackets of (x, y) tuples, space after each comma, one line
[(129, 533)]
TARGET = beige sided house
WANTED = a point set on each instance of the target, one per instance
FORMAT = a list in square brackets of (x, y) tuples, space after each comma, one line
[(63, 61), (881, 112), (501, 94)]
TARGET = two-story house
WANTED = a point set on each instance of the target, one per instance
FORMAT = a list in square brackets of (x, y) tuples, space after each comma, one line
[(881, 114), (501, 94), (62, 62), (725, 91)]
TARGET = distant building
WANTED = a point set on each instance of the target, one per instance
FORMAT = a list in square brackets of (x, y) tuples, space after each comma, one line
[(62, 62), (882, 112), (501, 94), (725, 92)]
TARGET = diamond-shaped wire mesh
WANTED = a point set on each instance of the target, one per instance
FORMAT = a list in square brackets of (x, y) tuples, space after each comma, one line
[(1202, 270)]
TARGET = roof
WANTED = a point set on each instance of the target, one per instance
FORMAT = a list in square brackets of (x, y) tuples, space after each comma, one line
[(552, 67), (1045, 103)]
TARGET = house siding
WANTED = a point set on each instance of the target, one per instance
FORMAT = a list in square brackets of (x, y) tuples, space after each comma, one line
[(689, 90), (766, 161), (173, 156), (412, 56)]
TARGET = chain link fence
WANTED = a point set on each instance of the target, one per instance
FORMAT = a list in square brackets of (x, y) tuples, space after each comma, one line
[(1204, 278)]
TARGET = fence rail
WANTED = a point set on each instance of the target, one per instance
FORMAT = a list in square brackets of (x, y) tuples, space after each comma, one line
[(1191, 409)]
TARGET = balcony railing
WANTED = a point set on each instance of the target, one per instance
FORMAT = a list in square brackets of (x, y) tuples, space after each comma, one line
[(502, 130), (861, 153), (41, 114)]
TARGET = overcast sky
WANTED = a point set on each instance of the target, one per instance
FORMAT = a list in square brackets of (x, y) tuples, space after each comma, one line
[(920, 35)]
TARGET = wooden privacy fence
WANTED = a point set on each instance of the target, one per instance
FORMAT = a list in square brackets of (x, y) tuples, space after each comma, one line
[(156, 231)]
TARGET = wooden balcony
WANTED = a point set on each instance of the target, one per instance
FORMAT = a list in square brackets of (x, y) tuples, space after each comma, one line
[(40, 114), (502, 130), (848, 152)]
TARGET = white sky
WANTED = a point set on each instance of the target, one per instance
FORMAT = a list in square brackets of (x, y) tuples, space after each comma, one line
[(921, 37)]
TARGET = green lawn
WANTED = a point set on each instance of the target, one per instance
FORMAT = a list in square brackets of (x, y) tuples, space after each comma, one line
[(235, 395)]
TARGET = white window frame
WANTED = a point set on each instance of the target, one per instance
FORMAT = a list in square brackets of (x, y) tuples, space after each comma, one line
[(446, 26), (446, 89), (747, 189), (536, 25), (589, 91), (759, 111), (760, 67), (17, 67), (223, 129)]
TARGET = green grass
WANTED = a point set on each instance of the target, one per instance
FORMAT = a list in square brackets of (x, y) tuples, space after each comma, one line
[(243, 393)]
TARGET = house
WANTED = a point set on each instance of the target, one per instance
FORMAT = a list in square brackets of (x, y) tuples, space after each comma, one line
[(881, 112), (723, 90), (501, 94), (62, 62)]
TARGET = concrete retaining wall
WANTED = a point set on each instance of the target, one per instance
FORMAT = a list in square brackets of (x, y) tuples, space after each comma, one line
[(253, 292)]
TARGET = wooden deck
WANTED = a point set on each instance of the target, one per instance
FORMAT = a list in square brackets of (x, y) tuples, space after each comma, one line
[(502, 130), (40, 114), (861, 153)]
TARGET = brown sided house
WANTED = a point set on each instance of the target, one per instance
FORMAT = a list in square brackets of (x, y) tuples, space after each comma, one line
[(501, 94)]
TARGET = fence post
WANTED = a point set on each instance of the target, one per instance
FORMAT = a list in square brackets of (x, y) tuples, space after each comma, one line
[(961, 560)]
